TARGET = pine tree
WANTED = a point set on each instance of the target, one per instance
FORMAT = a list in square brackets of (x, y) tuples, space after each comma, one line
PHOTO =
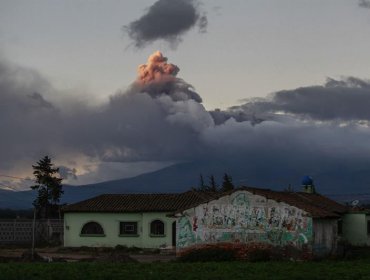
[(202, 185), (212, 184), (48, 185), (227, 184)]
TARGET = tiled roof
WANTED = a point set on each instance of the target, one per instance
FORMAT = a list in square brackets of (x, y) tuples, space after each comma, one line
[(140, 202), (316, 205)]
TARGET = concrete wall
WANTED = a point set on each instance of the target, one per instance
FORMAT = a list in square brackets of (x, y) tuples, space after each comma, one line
[(244, 217), (355, 229), (20, 231), (73, 223), (325, 233)]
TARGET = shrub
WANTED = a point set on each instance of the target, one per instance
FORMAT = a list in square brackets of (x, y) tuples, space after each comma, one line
[(121, 248), (209, 253), (259, 255), (253, 252)]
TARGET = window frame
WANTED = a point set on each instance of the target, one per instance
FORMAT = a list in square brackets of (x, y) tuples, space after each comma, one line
[(102, 234), (152, 232), (134, 233)]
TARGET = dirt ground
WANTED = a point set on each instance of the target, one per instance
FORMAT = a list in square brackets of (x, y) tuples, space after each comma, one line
[(52, 254)]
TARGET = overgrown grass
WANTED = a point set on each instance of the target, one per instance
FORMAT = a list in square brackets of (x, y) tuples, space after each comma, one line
[(221, 270)]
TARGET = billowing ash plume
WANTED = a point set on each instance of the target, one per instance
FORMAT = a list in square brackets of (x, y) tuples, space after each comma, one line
[(158, 77), (166, 20), (161, 119), (337, 100), (364, 3), (156, 70)]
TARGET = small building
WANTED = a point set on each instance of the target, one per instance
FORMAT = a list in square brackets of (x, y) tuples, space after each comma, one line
[(299, 219), (139, 220), (354, 227), (193, 219)]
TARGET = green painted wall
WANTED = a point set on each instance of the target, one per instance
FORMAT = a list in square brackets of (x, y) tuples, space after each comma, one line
[(355, 228), (73, 223)]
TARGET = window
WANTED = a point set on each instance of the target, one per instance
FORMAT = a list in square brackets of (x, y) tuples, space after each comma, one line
[(157, 228), (368, 227), (340, 227), (92, 228), (128, 228)]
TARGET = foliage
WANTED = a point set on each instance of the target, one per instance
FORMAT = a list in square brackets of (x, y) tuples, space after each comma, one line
[(252, 252), (227, 184), (14, 214), (326, 270), (48, 185), (203, 187), (209, 253), (212, 184), (124, 248)]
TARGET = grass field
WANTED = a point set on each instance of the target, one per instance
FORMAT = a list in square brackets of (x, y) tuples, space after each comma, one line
[(337, 270)]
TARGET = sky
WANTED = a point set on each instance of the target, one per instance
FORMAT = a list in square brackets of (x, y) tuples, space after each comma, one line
[(257, 69)]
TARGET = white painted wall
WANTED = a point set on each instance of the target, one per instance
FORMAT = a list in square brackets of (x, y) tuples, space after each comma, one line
[(244, 217)]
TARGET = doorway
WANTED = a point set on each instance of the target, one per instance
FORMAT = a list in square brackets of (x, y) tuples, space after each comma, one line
[(174, 234)]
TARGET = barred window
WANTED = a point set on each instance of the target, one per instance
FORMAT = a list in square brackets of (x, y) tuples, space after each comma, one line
[(128, 228), (92, 228), (157, 227)]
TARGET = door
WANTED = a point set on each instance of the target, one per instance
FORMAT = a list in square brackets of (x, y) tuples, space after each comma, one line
[(174, 234)]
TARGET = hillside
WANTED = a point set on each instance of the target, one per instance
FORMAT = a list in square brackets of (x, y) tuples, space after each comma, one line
[(183, 176)]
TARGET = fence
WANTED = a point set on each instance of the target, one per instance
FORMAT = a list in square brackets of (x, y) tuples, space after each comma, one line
[(19, 231)]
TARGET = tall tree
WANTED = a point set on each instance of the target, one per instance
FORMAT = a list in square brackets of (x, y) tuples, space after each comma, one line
[(48, 185), (227, 184), (202, 185), (212, 184)]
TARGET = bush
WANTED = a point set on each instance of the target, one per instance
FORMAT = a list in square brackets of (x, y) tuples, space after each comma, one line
[(120, 248), (253, 252), (260, 255), (209, 253)]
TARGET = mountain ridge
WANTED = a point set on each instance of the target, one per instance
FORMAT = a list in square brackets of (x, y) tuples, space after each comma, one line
[(183, 176)]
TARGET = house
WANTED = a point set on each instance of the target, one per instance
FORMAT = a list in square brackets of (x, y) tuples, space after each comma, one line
[(299, 219), (139, 220), (193, 219), (354, 227)]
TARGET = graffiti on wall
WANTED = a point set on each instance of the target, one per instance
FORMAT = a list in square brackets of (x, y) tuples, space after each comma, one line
[(186, 236), (245, 218)]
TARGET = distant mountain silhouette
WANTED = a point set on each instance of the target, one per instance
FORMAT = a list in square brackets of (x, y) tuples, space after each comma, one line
[(181, 177)]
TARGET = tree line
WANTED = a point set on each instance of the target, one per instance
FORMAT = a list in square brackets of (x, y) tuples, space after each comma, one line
[(213, 186)]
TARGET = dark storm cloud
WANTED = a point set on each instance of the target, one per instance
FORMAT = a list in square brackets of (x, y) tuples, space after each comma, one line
[(26, 117), (310, 129), (166, 20), (142, 123), (364, 3), (342, 100), (67, 173)]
